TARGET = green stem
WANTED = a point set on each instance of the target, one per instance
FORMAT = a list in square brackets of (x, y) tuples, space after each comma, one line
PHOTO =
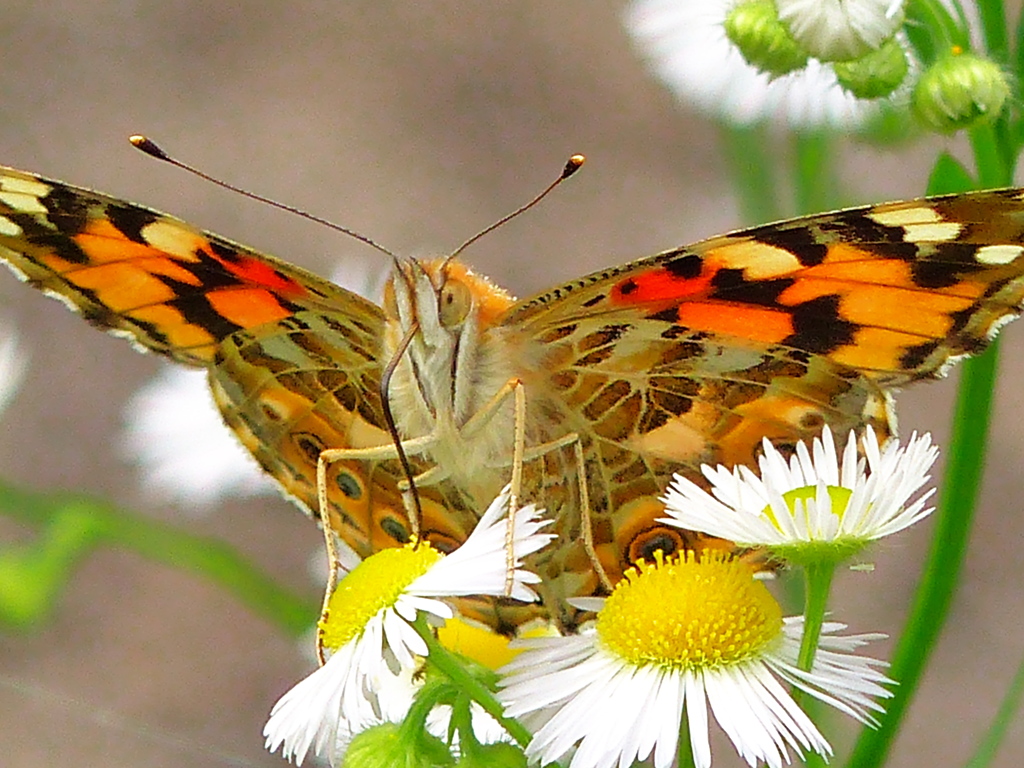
[(815, 174), (818, 581), (447, 664), (993, 30), (932, 30), (750, 164), (817, 587)]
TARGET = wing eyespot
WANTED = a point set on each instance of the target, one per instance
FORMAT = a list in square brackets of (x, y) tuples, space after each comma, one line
[(659, 538), (310, 445), (349, 484), (395, 529)]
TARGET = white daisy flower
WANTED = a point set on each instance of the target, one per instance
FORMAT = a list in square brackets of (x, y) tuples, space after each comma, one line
[(840, 30), (369, 629), (817, 505), (685, 44), (184, 452), (675, 636)]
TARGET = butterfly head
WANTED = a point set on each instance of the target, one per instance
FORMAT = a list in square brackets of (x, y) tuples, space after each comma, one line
[(449, 314)]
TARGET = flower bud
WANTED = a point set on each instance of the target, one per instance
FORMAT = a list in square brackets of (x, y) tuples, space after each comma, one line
[(754, 28), (840, 30), (499, 755), (388, 745), (875, 75), (959, 91)]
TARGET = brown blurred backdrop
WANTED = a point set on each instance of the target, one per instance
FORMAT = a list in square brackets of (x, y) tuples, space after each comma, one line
[(416, 123)]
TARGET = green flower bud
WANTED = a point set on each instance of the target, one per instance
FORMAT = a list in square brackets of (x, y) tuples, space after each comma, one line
[(876, 75), (959, 91), (755, 29), (500, 755), (389, 746)]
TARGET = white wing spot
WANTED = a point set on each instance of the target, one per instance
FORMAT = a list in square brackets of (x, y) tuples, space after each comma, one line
[(998, 254), (938, 232), (9, 228), (174, 238), (30, 187), (20, 202), (902, 217)]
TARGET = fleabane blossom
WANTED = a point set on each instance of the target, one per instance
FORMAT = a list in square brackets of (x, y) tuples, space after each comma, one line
[(817, 505), (675, 636), (369, 630), (685, 43)]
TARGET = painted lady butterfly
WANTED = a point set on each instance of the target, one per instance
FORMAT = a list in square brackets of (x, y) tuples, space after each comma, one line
[(628, 375)]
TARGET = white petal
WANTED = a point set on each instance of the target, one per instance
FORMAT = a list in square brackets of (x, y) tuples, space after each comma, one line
[(479, 566), (837, 30)]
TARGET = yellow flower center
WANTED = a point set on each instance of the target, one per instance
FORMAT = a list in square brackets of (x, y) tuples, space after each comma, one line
[(839, 495), (373, 585), (689, 613)]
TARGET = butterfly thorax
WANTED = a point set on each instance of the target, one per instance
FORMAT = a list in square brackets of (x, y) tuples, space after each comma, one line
[(455, 364)]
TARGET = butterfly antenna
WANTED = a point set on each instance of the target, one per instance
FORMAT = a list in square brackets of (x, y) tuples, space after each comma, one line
[(389, 421), (574, 164), (151, 148)]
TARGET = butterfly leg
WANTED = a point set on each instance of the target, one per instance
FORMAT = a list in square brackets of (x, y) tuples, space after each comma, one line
[(327, 457), (519, 455), (586, 523)]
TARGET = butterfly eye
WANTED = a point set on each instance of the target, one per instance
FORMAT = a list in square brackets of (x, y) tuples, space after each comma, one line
[(453, 303), (646, 543)]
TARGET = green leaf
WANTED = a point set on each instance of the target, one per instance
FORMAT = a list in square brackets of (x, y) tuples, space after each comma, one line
[(31, 578), (949, 175), (989, 746)]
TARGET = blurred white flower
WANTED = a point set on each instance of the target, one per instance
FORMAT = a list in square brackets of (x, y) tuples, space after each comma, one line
[(685, 44), (13, 364), (183, 449)]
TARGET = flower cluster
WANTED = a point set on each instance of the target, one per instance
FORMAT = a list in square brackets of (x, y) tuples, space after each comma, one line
[(683, 638), (817, 62)]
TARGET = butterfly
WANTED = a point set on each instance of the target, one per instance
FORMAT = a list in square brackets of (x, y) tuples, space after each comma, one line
[(616, 380)]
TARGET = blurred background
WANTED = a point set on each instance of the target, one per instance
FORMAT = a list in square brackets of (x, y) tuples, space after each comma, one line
[(417, 124)]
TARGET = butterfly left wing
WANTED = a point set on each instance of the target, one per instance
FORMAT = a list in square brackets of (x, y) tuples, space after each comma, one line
[(168, 286), (294, 361), (695, 354)]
